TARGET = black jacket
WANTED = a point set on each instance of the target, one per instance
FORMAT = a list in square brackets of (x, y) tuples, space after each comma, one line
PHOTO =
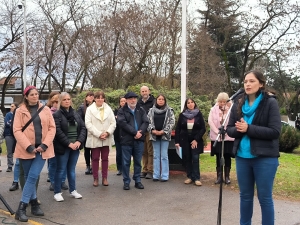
[(264, 131), (125, 120), (148, 104), (61, 141), (181, 133)]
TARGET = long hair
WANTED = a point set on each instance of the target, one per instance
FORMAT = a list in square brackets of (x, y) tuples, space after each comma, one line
[(262, 80), (160, 107), (85, 102), (51, 95), (185, 104), (25, 101)]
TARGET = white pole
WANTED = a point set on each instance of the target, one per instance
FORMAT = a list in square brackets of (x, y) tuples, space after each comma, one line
[(24, 47), (183, 55)]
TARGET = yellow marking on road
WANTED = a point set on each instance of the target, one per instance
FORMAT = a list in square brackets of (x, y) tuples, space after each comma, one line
[(13, 216)]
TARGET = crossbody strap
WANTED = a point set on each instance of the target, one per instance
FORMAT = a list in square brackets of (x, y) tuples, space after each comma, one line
[(32, 118)]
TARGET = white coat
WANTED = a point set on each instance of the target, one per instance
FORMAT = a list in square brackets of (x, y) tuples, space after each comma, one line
[(95, 126)]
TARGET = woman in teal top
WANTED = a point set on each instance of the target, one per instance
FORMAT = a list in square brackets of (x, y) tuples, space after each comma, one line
[(255, 124)]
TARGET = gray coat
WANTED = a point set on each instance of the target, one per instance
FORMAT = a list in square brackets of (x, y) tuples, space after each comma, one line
[(167, 127)]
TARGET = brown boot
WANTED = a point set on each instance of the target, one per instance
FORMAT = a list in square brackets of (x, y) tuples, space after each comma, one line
[(96, 183), (104, 182)]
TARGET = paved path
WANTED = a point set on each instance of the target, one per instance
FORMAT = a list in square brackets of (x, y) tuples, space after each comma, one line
[(171, 202)]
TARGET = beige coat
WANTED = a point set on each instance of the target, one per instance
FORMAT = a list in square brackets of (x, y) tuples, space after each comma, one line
[(27, 138), (95, 126)]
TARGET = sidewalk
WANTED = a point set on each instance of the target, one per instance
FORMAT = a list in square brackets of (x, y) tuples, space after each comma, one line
[(171, 202)]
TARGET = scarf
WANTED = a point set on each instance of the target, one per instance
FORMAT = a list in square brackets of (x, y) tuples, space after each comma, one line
[(160, 110), (244, 150), (69, 115), (190, 114)]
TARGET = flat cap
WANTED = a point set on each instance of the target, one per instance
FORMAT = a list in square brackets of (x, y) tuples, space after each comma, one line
[(131, 94)]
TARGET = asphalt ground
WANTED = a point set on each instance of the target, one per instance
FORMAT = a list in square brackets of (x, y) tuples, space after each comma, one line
[(171, 202)]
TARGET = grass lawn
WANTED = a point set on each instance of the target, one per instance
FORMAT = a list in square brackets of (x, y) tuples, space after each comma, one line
[(287, 180)]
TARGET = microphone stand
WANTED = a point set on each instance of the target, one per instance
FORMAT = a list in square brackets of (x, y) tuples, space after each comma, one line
[(222, 132), (6, 205)]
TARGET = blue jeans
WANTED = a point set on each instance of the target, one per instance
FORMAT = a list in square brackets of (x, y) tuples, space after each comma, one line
[(136, 151), (17, 170), (32, 169), (260, 172), (66, 163), (118, 155), (160, 159), (52, 165)]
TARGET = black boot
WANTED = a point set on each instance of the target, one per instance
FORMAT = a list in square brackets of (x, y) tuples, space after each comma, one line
[(21, 212), (219, 177), (35, 208), (88, 170), (227, 178), (14, 186)]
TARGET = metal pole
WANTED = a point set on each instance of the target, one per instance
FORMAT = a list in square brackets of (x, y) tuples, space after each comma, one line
[(24, 47), (183, 55)]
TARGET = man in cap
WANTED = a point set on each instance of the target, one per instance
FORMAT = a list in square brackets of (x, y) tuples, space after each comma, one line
[(147, 101), (133, 123)]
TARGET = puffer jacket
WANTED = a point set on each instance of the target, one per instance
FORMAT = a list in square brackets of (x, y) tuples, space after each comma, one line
[(61, 141)]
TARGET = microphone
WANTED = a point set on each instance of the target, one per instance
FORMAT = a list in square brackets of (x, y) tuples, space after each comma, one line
[(240, 91)]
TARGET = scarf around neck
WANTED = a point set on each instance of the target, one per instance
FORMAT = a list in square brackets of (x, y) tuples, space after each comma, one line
[(68, 114), (161, 110), (190, 114), (244, 150)]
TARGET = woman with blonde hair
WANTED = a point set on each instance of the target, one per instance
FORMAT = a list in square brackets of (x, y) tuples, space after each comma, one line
[(100, 123), (216, 118)]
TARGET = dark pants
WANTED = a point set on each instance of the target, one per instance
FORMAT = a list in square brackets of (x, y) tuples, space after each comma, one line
[(118, 155), (192, 166), (135, 150), (87, 156)]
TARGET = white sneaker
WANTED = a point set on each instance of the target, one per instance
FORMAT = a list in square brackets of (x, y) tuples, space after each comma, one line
[(58, 197), (75, 194)]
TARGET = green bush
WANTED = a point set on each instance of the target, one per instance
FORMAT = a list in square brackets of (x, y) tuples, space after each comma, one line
[(289, 139)]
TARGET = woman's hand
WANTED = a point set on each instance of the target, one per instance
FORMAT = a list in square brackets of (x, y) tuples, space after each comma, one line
[(103, 136), (194, 144), (177, 145), (241, 126)]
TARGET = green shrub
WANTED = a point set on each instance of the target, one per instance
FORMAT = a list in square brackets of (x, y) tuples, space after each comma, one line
[(289, 139)]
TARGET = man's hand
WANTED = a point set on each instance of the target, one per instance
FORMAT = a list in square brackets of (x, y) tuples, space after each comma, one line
[(138, 134)]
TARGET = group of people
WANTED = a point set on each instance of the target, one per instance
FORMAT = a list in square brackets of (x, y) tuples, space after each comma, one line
[(142, 128)]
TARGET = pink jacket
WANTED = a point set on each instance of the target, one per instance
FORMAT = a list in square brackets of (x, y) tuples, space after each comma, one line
[(27, 138), (214, 122)]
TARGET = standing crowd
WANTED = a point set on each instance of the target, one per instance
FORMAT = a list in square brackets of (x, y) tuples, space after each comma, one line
[(141, 128)]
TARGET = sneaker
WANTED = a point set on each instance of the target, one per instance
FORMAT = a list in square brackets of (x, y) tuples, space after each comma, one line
[(75, 194), (149, 176), (64, 186), (198, 183), (48, 179), (51, 188), (188, 181), (58, 197), (9, 169), (143, 174)]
